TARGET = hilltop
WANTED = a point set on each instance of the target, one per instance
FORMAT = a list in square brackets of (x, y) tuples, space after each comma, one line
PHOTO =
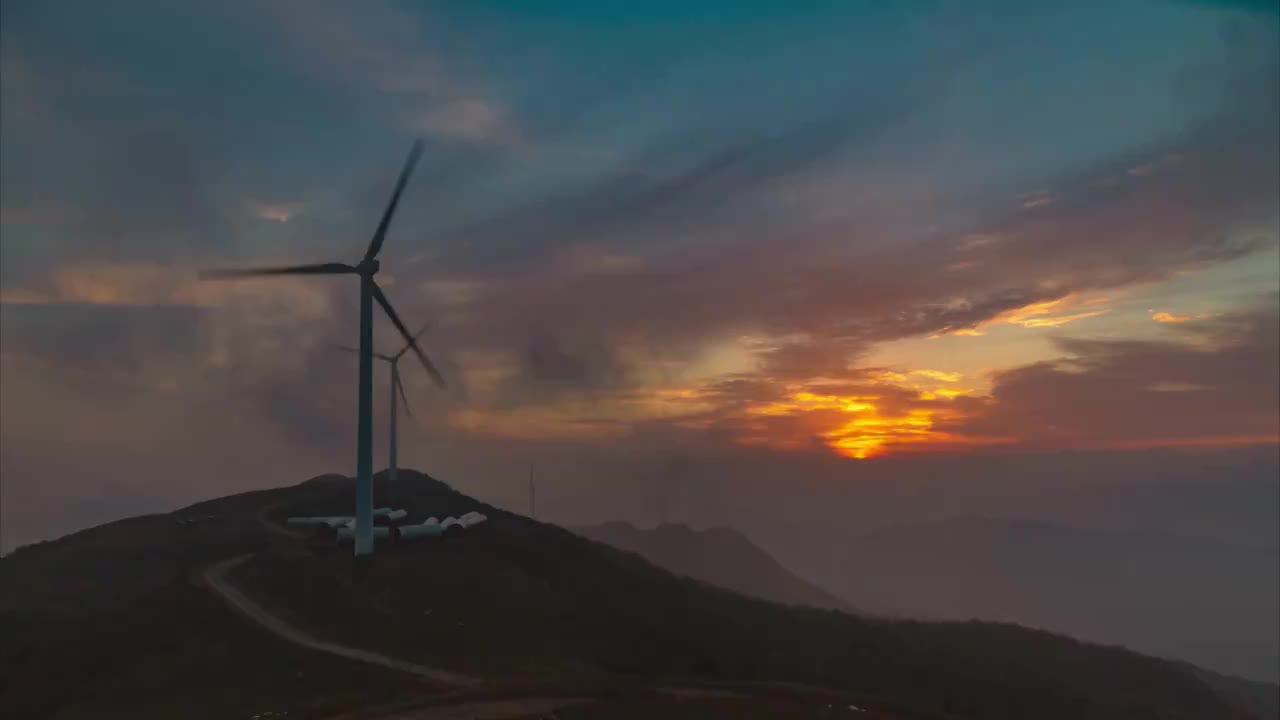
[(720, 556), (113, 619)]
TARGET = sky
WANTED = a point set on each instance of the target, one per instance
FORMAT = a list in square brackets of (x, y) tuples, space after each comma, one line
[(808, 253)]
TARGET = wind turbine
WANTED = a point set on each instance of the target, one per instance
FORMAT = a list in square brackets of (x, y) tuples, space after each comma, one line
[(396, 387), (369, 292), (533, 496)]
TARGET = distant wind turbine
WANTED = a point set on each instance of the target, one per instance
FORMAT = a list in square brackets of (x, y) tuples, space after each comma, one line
[(533, 496), (369, 292), (397, 387)]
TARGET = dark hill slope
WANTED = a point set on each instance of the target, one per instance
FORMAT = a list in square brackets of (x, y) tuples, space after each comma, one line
[(110, 622), (719, 556)]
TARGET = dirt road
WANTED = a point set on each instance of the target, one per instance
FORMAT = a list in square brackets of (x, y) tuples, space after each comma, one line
[(531, 707), (215, 576)]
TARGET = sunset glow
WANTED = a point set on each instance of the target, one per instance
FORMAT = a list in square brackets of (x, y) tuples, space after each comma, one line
[(868, 435), (869, 430)]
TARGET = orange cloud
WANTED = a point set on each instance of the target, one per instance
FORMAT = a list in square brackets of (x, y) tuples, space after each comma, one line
[(938, 375), (1165, 317), (889, 376), (807, 401), (277, 212), (1060, 320), (1042, 314)]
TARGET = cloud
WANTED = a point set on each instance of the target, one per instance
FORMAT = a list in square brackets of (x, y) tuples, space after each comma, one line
[(44, 216), (119, 340), (1207, 388), (1042, 314), (726, 243), (938, 375), (1167, 317), (1215, 386), (153, 284), (277, 212), (1175, 386), (386, 50), (468, 119), (558, 358), (1037, 199)]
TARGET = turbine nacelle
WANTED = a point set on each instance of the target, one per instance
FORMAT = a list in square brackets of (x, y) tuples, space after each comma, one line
[(368, 267)]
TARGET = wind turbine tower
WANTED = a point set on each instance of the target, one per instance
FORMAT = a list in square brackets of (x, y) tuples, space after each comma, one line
[(533, 496), (369, 293), (397, 392)]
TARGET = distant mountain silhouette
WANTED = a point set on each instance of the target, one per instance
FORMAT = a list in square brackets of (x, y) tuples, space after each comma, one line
[(1150, 591), (113, 621), (719, 556)]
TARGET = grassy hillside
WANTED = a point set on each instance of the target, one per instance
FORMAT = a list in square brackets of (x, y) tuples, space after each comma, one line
[(110, 619), (110, 622), (719, 556)]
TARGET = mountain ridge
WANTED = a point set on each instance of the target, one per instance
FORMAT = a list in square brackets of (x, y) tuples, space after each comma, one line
[(720, 556)]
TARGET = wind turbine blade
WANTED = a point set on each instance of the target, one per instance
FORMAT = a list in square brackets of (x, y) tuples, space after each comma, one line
[(403, 396), (350, 349), (404, 332), (381, 233), (405, 349), (318, 269)]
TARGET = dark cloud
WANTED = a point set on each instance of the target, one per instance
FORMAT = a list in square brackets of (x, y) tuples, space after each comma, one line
[(314, 404), (688, 180), (555, 358), (848, 287), (1136, 217), (804, 358), (103, 338)]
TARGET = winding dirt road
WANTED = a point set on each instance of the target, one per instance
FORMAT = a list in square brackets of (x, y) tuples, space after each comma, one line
[(215, 576), (514, 709)]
